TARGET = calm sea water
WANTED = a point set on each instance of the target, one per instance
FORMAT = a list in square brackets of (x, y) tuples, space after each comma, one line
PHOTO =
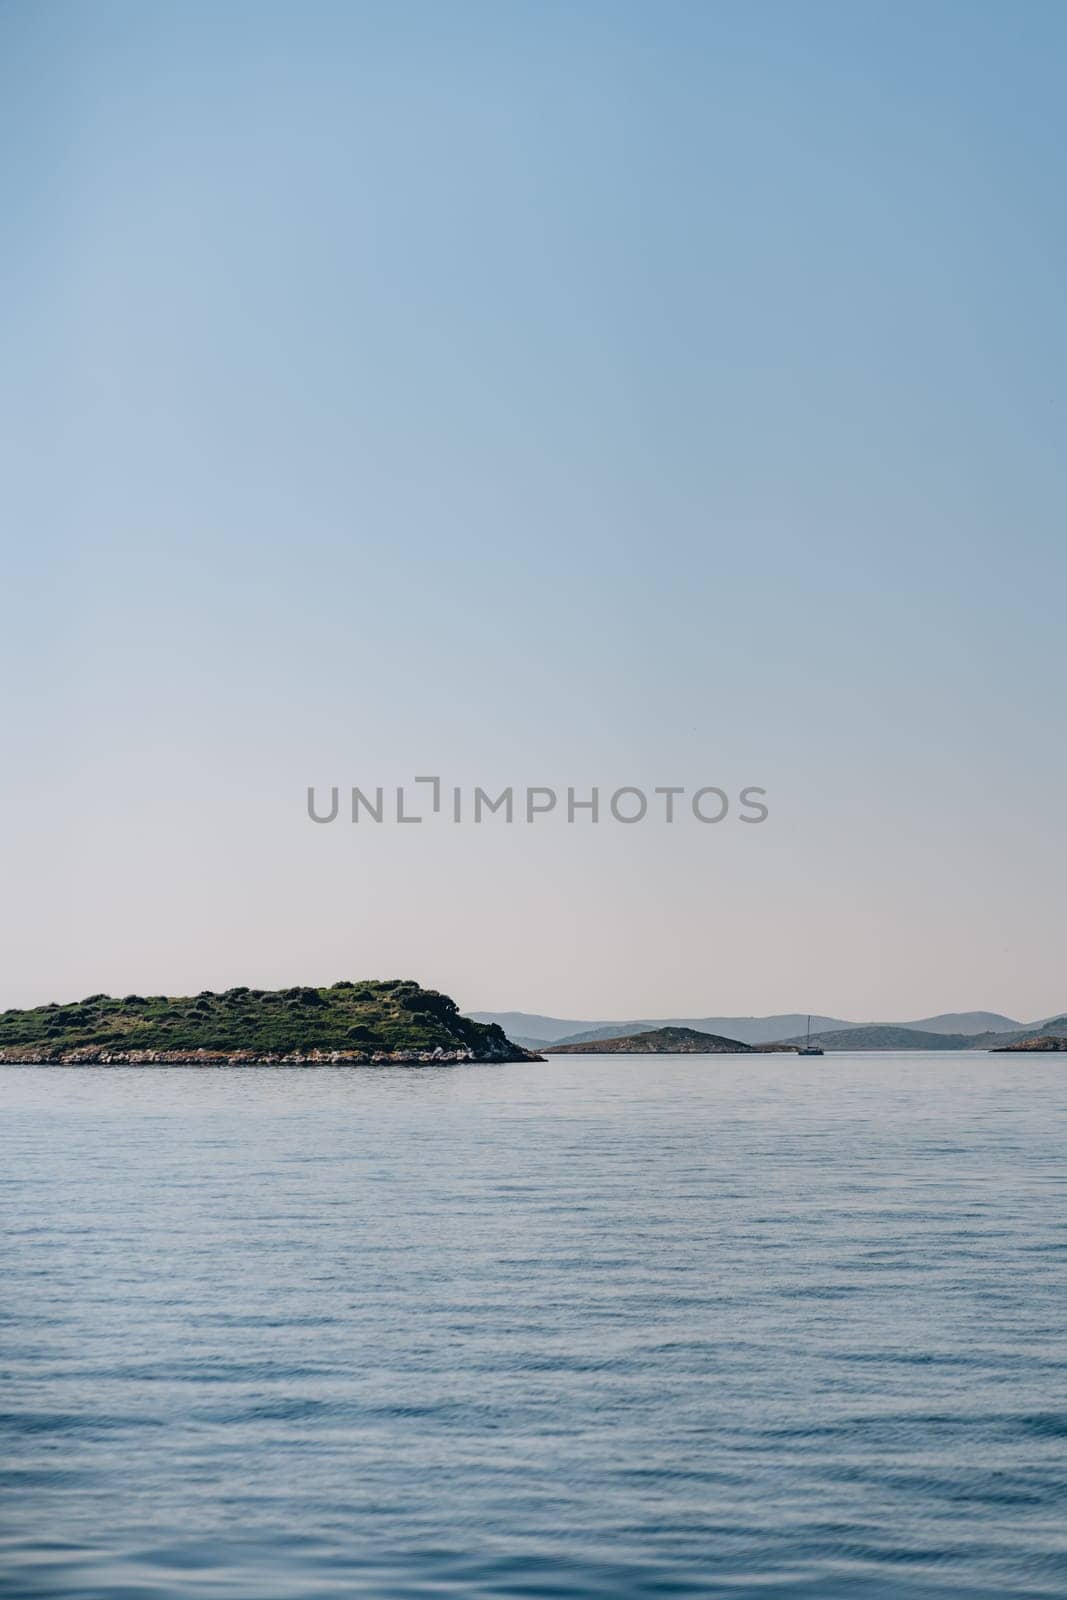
[(702, 1326)]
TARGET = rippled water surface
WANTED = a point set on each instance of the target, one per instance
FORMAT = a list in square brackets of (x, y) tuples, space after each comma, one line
[(597, 1327)]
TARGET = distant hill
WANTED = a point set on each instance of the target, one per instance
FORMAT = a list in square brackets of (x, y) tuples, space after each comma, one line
[(909, 1036), (531, 1025), (964, 1022), (963, 1029), (887, 1036), (391, 1019), (538, 1031), (1034, 1032), (610, 1030), (1049, 1024), (656, 1042)]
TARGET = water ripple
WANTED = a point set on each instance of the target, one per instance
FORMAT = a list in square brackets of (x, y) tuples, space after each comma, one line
[(585, 1328)]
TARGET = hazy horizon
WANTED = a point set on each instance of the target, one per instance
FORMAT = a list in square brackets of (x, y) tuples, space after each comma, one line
[(536, 395)]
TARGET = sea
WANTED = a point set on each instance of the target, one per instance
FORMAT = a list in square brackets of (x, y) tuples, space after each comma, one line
[(594, 1326)]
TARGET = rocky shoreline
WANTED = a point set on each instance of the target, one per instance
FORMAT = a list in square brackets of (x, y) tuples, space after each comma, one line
[(1044, 1041), (99, 1056)]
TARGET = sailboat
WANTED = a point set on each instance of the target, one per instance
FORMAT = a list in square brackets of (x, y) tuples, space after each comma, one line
[(809, 1049)]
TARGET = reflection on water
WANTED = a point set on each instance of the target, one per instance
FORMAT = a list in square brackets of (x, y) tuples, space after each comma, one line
[(619, 1327)]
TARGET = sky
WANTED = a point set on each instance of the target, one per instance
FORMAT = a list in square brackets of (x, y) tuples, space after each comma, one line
[(562, 394)]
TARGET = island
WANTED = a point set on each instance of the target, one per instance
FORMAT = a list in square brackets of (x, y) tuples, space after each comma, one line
[(1041, 1041), (889, 1036), (661, 1042), (389, 1021)]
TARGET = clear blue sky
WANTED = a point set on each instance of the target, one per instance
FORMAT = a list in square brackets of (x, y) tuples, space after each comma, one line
[(536, 393)]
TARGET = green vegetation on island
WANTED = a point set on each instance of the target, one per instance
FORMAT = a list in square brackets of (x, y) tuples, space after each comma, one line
[(658, 1042), (885, 1036), (899, 1036), (1041, 1041), (390, 1020)]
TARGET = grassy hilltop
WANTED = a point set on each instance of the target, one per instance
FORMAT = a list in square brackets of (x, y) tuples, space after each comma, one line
[(658, 1042), (359, 1020)]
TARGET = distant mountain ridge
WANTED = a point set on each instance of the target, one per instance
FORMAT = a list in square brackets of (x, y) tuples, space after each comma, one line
[(959, 1022), (876, 1036), (544, 1030), (904, 1036), (1052, 1026), (538, 1032)]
